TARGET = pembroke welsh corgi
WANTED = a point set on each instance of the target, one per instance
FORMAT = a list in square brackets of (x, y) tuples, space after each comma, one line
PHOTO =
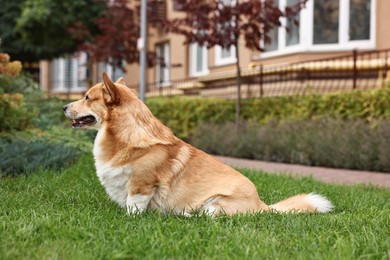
[(142, 165)]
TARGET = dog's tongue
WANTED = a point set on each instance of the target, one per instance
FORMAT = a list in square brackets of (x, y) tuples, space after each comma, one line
[(83, 121)]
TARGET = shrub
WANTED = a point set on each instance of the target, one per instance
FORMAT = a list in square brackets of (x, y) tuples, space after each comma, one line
[(14, 113), (23, 105), (50, 111), (21, 157), (184, 114), (351, 144), (76, 138), (9, 68)]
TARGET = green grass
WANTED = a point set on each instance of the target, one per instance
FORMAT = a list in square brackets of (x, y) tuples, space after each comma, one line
[(67, 215)]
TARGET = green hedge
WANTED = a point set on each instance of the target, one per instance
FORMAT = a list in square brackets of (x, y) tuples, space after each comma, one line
[(350, 144), (34, 132), (369, 105), (20, 157), (184, 114), (14, 113)]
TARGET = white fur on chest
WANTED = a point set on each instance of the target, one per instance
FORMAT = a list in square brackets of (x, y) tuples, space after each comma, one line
[(114, 179)]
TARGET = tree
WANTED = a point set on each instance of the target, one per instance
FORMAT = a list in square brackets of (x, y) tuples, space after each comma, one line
[(10, 38), (211, 23), (119, 30), (32, 30)]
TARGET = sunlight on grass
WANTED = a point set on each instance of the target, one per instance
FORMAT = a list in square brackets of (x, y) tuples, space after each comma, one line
[(68, 215)]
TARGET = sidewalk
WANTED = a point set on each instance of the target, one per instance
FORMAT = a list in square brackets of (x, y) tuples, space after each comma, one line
[(329, 175)]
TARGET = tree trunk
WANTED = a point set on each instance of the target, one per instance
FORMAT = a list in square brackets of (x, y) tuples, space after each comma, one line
[(238, 101), (238, 80)]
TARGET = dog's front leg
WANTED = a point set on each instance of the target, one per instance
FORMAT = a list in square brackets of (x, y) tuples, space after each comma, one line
[(137, 203)]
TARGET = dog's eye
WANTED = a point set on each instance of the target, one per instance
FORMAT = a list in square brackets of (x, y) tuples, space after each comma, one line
[(86, 97)]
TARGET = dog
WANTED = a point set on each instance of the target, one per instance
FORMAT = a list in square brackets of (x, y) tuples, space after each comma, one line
[(142, 165)]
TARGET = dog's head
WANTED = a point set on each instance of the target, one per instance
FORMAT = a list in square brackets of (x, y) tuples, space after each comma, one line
[(95, 107)]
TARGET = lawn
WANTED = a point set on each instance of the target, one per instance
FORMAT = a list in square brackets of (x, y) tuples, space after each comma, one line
[(67, 215)]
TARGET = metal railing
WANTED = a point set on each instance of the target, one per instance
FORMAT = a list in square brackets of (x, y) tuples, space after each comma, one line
[(358, 70)]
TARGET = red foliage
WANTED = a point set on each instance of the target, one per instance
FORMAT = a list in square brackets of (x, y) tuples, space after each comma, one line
[(212, 23), (117, 41)]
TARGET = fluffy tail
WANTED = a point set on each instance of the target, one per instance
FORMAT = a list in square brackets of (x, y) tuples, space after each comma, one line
[(304, 203)]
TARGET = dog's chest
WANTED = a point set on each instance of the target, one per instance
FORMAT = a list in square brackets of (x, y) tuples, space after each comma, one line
[(114, 179)]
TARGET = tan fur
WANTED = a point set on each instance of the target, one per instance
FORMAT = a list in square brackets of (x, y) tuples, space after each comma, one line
[(176, 176)]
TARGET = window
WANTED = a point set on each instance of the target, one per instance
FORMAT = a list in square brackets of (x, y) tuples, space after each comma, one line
[(325, 25), (274, 36), (282, 38), (273, 45), (359, 19), (163, 64), (223, 55), (292, 36), (198, 60), (326, 21), (69, 74), (112, 73)]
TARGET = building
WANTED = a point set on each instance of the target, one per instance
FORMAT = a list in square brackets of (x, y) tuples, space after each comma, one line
[(327, 28)]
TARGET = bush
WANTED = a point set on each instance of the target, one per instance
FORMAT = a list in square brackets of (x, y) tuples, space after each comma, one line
[(184, 114), (20, 84), (21, 157), (368, 105), (324, 142), (32, 132), (14, 113), (50, 111)]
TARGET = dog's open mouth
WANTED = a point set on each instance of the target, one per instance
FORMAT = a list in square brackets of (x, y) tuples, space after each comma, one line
[(83, 121)]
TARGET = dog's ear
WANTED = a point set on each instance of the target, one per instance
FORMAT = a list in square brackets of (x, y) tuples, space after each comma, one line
[(120, 81), (110, 91)]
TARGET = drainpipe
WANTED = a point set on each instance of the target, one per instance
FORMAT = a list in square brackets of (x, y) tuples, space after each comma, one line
[(142, 47)]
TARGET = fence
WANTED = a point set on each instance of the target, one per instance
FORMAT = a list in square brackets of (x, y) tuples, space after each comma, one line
[(358, 70)]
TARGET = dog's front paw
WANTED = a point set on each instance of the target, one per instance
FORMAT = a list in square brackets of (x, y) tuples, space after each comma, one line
[(133, 209), (138, 203)]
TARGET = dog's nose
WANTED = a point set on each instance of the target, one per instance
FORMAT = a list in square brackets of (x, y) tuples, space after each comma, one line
[(65, 107)]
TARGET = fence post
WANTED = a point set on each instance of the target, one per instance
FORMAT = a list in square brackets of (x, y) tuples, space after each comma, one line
[(387, 73), (354, 72), (261, 80)]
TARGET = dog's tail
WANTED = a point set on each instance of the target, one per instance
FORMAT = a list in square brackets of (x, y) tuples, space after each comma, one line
[(303, 203)]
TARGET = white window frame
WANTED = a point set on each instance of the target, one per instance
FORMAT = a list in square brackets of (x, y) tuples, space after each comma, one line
[(109, 69), (194, 60), (78, 64), (167, 58), (219, 60), (306, 33)]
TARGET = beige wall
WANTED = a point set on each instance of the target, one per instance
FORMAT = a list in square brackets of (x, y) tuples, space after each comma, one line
[(180, 53), (44, 76), (383, 24)]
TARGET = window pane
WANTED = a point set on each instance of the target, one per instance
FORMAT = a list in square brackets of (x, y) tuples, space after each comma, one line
[(359, 19), (226, 53), (274, 36), (55, 73), (292, 36), (69, 73), (273, 45), (163, 64), (326, 21), (199, 58), (118, 72)]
